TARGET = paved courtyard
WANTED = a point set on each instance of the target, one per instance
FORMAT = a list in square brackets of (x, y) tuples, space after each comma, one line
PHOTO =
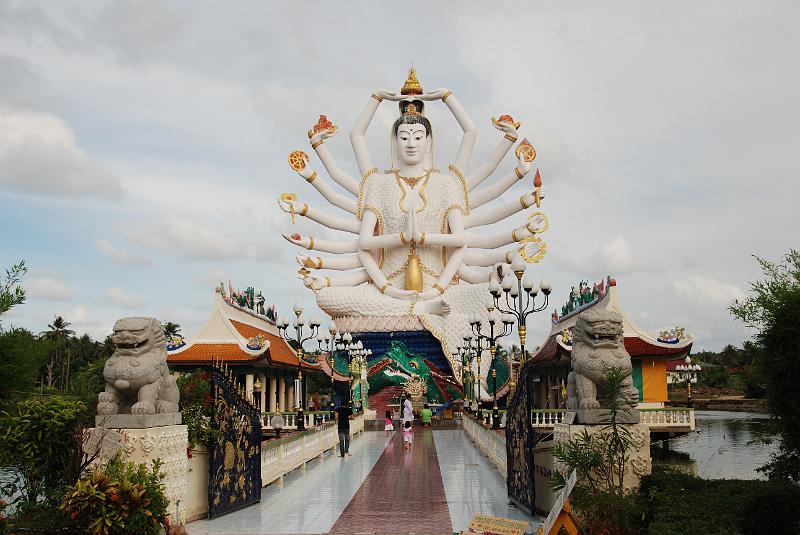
[(435, 487)]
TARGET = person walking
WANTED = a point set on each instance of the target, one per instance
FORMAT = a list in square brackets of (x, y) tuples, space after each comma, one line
[(408, 410), (343, 415), (389, 426), (408, 433)]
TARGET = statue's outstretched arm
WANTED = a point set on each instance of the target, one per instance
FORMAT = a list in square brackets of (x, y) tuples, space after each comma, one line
[(367, 239), (482, 241), (336, 199), (495, 213), (479, 174), (335, 172), (378, 278), (338, 263), (489, 258), (472, 275), (493, 191), (332, 222), (327, 246), (351, 279), (464, 121), (360, 128)]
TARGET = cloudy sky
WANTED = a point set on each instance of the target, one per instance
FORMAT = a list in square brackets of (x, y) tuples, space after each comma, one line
[(143, 144)]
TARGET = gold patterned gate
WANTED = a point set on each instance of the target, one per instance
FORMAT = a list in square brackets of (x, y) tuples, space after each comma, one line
[(234, 471)]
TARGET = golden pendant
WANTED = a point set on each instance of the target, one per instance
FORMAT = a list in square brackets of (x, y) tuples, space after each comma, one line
[(413, 273)]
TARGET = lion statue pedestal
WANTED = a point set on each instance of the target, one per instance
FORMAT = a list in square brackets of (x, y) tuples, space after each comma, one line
[(598, 345), (137, 414)]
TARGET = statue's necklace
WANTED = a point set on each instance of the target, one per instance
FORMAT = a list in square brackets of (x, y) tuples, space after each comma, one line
[(412, 181)]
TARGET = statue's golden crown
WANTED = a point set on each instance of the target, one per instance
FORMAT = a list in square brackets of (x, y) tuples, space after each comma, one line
[(411, 86)]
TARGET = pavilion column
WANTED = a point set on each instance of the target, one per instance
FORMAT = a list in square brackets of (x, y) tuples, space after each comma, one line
[(262, 377), (248, 384), (282, 394), (273, 394), (291, 402)]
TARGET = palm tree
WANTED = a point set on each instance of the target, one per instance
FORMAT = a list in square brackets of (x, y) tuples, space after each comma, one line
[(58, 333), (171, 329)]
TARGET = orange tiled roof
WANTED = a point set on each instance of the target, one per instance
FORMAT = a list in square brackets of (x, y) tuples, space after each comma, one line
[(206, 352), (279, 351)]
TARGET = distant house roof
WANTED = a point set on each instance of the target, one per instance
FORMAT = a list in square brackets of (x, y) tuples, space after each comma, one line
[(637, 341), (231, 334)]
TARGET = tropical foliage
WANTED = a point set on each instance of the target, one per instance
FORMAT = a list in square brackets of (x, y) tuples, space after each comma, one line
[(40, 441), (11, 293), (119, 499), (773, 310), (196, 405)]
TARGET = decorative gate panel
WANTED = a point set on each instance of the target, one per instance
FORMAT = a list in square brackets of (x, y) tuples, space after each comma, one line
[(234, 471), (520, 441)]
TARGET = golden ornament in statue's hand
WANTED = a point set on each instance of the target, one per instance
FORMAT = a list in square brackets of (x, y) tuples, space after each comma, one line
[(297, 160), (526, 150), (504, 122)]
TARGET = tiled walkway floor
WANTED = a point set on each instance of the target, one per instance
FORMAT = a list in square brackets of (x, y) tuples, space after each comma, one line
[(434, 488)]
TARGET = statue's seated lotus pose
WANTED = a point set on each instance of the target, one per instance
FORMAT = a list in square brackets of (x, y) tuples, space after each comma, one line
[(413, 254)]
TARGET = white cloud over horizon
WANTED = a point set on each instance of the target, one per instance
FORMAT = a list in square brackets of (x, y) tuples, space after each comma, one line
[(39, 156), (48, 288)]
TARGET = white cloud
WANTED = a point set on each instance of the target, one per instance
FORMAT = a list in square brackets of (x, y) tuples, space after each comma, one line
[(704, 291), (615, 257), (119, 256), (39, 156), (124, 299), (48, 288), (177, 236)]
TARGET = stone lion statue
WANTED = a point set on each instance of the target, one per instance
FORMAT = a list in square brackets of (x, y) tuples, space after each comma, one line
[(137, 377), (598, 345)]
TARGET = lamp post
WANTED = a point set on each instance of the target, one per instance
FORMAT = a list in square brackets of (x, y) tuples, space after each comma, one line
[(299, 339), (477, 329), (688, 373), (520, 301), (330, 341)]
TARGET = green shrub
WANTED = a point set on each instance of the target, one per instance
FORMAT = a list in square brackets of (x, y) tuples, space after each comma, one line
[(39, 441), (683, 504), (196, 406), (120, 499)]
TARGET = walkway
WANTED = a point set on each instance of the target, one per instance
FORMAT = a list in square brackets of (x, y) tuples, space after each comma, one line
[(435, 487)]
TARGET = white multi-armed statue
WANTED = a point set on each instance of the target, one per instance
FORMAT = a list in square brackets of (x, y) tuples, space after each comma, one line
[(414, 259)]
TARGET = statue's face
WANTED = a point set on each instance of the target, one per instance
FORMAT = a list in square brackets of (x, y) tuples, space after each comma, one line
[(413, 143)]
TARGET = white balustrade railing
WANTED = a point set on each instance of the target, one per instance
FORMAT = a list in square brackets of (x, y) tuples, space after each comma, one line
[(491, 443), (311, 419), (547, 417), (668, 418)]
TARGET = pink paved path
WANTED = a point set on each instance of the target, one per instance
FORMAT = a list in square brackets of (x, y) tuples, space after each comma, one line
[(403, 493)]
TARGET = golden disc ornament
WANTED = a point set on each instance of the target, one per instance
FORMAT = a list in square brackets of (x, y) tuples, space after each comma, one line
[(538, 223), (526, 150), (297, 160), (533, 249)]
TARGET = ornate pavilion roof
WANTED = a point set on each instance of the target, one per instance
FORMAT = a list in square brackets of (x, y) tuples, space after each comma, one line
[(234, 334), (669, 345)]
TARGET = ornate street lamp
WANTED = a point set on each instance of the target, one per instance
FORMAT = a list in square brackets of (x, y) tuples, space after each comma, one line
[(520, 301), (495, 319), (299, 339), (688, 373)]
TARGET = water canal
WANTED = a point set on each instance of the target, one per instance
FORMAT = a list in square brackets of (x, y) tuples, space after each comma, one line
[(725, 446)]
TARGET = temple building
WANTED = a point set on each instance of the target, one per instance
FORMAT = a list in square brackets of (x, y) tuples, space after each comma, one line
[(242, 333), (649, 354)]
